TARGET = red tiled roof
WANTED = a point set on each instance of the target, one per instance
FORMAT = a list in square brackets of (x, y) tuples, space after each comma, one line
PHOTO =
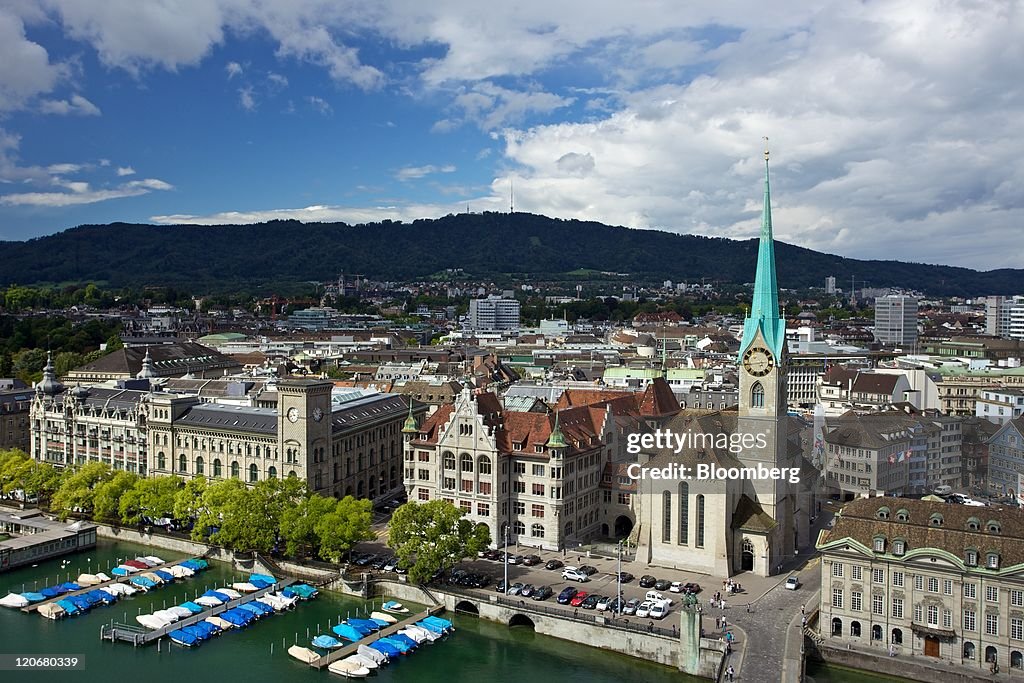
[(658, 399)]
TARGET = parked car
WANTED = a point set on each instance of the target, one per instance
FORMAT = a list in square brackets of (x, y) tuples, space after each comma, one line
[(567, 594), (625, 577), (531, 560), (365, 560), (658, 610), (603, 603), (588, 570), (515, 588), (676, 587), (644, 609), (491, 554), (616, 605), (542, 593), (691, 588), (578, 599), (392, 565), (527, 590), (662, 584), (591, 601), (514, 559), (380, 562), (647, 581), (501, 587), (629, 609), (554, 564), (575, 575), (792, 583), (654, 596)]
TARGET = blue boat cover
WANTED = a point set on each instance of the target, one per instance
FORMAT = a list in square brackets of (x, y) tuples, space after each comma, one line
[(380, 622), (326, 642), (260, 583), (443, 623), (102, 595), (182, 637), (69, 607), (233, 616), (219, 596), (395, 642), (71, 586), (80, 601), (347, 632), (387, 648), (263, 607), (248, 607), (51, 592), (117, 571), (206, 628), (142, 581), (362, 629), (192, 607), (365, 623), (262, 577), (198, 632), (430, 626), (33, 597), (405, 639), (91, 598), (166, 576)]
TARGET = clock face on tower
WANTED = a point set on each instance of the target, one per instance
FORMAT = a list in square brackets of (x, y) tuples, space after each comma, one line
[(293, 414), (317, 414), (758, 362)]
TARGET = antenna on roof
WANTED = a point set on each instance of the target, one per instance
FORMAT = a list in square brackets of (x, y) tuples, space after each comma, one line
[(511, 194)]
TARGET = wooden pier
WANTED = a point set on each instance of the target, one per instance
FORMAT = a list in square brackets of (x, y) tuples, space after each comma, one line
[(137, 635), (352, 648)]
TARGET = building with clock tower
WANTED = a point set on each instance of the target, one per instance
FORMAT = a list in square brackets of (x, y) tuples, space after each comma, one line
[(303, 435), (726, 526)]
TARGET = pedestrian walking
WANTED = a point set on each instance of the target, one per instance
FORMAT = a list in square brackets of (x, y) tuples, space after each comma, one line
[(718, 623), (892, 651), (723, 623), (801, 609), (728, 648), (803, 622), (730, 673), (722, 604)]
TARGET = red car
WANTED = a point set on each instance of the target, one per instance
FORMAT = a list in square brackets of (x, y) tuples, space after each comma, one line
[(578, 599)]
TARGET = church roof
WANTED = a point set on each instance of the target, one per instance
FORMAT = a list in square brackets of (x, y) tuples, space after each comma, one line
[(750, 517), (168, 360), (658, 399)]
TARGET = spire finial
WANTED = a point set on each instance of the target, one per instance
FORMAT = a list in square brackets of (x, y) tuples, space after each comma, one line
[(766, 149)]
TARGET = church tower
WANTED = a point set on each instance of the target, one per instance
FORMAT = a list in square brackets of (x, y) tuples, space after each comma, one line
[(763, 410)]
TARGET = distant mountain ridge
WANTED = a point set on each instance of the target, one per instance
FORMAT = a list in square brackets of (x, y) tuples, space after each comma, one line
[(484, 244)]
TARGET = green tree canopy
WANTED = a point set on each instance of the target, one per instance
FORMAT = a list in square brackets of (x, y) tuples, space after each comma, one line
[(431, 536), (298, 523), (188, 501), (107, 496), (153, 497), (78, 489), (339, 530)]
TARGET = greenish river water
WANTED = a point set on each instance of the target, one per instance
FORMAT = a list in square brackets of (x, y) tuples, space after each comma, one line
[(478, 651)]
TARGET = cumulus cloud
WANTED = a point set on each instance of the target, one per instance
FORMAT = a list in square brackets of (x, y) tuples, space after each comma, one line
[(83, 193), (76, 105), (414, 172), (319, 105), (125, 170), (25, 67), (246, 98)]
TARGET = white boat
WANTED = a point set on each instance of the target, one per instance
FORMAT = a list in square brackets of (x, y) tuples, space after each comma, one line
[(153, 577), (88, 580), (119, 589), (179, 572), (394, 607), (152, 622), (222, 624), (168, 615), (427, 634), (51, 610), (153, 560), (364, 661), (348, 669), (233, 594), (303, 654), (245, 587), (14, 601), (207, 601), (383, 617), (129, 569), (182, 612), (103, 577), (368, 652), (415, 634)]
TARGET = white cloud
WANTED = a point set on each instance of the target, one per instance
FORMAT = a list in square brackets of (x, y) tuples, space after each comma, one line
[(125, 170), (246, 98), (277, 81), (319, 104), (233, 69), (104, 162), (25, 67), (83, 193), (77, 105), (63, 169), (414, 172), (317, 46)]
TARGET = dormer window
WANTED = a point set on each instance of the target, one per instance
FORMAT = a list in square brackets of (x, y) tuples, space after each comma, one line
[(883, 513), (899, 547), (879, 544), (935, 519), (902, 516), (539, 448), (993, 527), (971, 558), (992, 561), (517, 446), (973, 524)]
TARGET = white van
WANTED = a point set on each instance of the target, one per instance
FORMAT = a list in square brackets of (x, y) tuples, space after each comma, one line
[(655, 596), (943, 490)]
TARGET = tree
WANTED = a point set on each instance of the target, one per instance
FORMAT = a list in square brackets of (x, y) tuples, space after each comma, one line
[(66, 361), (432, 536), (153, 498), (77, 491), (349, 523), (298, 523), (107, 495), (188, 503)]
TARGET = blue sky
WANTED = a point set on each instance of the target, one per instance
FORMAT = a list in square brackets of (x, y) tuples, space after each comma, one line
[(894, 126)]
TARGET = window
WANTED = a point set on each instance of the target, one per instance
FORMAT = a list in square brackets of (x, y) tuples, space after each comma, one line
[(971, 590), (1017, 628), (272, 472), (917, 613), (538, 489), (879, 545), (161, 461), (992, 624), (877, 604), (254, 473), (519, 508), (466, 462), (970, 620), (897, 608), (423, 475), (537, 510), (947, 619), (422, 494), (757, 396), (855, 601), (449, 460), (200, 465), (993, 561), (465, 506), (684, 511), (484, 465), (666, 530), (933, 584), (484, 487), (700, 521), (992, 593), (182, 463), (837, 598), (519, 467), (519, 528), (234, 469), (1016, 598), (483, 509), (918, 582), (971, 558), (837, 569), (855, 572), (216, 467), (877, 576), (466, 485), (897, 579), (537, 531), (947, 586), (898, 547), (933, 615), (538, 470)]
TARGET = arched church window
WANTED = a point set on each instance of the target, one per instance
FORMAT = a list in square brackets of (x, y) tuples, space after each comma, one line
[(757, 396)]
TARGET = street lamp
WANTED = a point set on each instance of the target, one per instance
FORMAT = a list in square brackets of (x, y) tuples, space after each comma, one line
[(506, 558), (618, 579)]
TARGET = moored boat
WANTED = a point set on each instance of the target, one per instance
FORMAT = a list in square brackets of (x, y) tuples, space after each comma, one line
[(369, 653), (52, 610), (326, 642), (348, 669), (303, 654), (222, 624), (244, 587), (387, 618), (14, 601), (88, 580), (394, 607), (182, 637)]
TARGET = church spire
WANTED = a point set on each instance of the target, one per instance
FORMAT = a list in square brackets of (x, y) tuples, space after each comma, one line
[(764, 310)]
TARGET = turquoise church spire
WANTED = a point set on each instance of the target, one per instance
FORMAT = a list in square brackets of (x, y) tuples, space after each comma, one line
[(764, 309)]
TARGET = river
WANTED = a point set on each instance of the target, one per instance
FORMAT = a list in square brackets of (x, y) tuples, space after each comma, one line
[(478, 651)]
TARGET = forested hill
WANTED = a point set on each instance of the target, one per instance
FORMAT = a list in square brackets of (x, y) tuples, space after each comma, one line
[(122, 254)]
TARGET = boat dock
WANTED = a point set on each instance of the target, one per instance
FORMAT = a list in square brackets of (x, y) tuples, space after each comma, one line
[(118, 579), (352, 648), (136, 635)]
